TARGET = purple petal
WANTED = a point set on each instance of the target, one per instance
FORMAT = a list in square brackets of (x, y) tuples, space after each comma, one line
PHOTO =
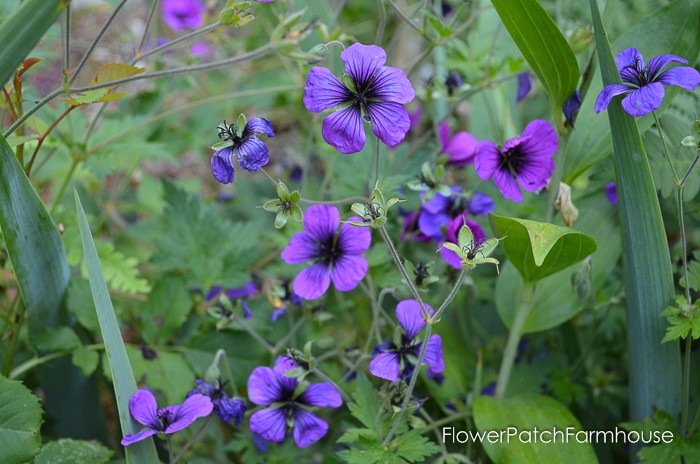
[(312, 282), (683, 76), (214, 291), (323, 395), (524, 86), (540, 139), (534, 173), (392, 85), (322, 221), (276, 314), (230, 409), (143, 407), (443, 134), (323, 90), (410, 317), (439, 203), (183, 14), (283, 364), (433, 354), (269, 424), (611, 192), (606, 95), (247, 313), (657, 63), (431, 224), (240, 292), (263, 386), (258, 126), (389, 121), (203, 388), (507, 186), (252, 154), (629, 57), (354, 240), (461, 149), (644, 100), (481, 204), (308, 428), (386, 366), (302, 247), (571, 107), (193, 408), (415, 118), (343, 130), (348, 271), (487, 159), (221, 166), (130, 439), (451, 258), (362, 61)]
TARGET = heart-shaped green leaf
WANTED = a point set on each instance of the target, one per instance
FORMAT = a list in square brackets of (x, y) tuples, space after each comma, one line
[(538, 249)]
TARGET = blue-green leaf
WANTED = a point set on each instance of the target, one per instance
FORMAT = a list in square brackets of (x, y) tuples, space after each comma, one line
[(120, 368)]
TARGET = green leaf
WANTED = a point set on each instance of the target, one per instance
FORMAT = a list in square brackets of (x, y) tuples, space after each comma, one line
[(80, 304), (543, 46), (20, 419), (413, 447), (655, 370), (21, 31), (591, 141), (86, 360), (538, 249), (57, 339), (524, 414), (166, 310), (167, 372), (33, 243), (121, 272), (693, 274), (68, 451), (120, 368), (367, 404)]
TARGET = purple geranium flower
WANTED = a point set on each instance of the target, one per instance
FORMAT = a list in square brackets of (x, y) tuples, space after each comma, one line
[(481, 204), (452, 234), (227, 408), (393, 362), (645, 84), (524, 86), (169, 419), (437, 213), (183, 14), (251, 152), (378, 95), (459, 148), (335, 254), (270, 386), (526, 159), (571, 107), (611, 192)]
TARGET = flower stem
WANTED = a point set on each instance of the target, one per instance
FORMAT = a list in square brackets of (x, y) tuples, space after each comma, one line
[(28, 169), (31, 111), (256, 335), (458, 284), (64, 185), (402, 270), (65, 26), (34, 362), (342, 201), (407, 20), (190, 442), (149, 20), (516, 331), (269, 177), (676, 179), (94, 43)]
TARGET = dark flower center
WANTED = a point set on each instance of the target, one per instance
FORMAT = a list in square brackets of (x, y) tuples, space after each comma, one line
[(636, 73), (366, 93), (229, 132), (328, 251), (513, 161), (165, 418)]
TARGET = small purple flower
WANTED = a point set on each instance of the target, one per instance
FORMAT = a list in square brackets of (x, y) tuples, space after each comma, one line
[(270, 387), (227, 408), (393, 362), (645, 84), (453, 82), (437, 213), (459, 148), (452, 234), (183, 14), (169, 419), (241, 292), (251, 152), (571, 107), (335, 254), (489, 390), (525, 160), (378, 96), (481, 204), (524, 86), (611, 192)]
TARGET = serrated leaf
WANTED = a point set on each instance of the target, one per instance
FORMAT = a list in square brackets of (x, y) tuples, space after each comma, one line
[(367, 404), (693, 274), (20, 419), (413, 447), (121, 272), (166, 310), (68, 451), (86, 360)]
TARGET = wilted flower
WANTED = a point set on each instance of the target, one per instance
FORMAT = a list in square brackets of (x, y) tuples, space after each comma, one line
[(397, 360), (525, 160), (459, 148), (169, 419), (335, 254), (373, 92), (271, 387), (183, 14), (251, 152), (227, 408), (645, 84), (524, 86)]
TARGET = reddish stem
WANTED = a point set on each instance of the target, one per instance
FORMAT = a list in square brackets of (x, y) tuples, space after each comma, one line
[(43, 137)]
